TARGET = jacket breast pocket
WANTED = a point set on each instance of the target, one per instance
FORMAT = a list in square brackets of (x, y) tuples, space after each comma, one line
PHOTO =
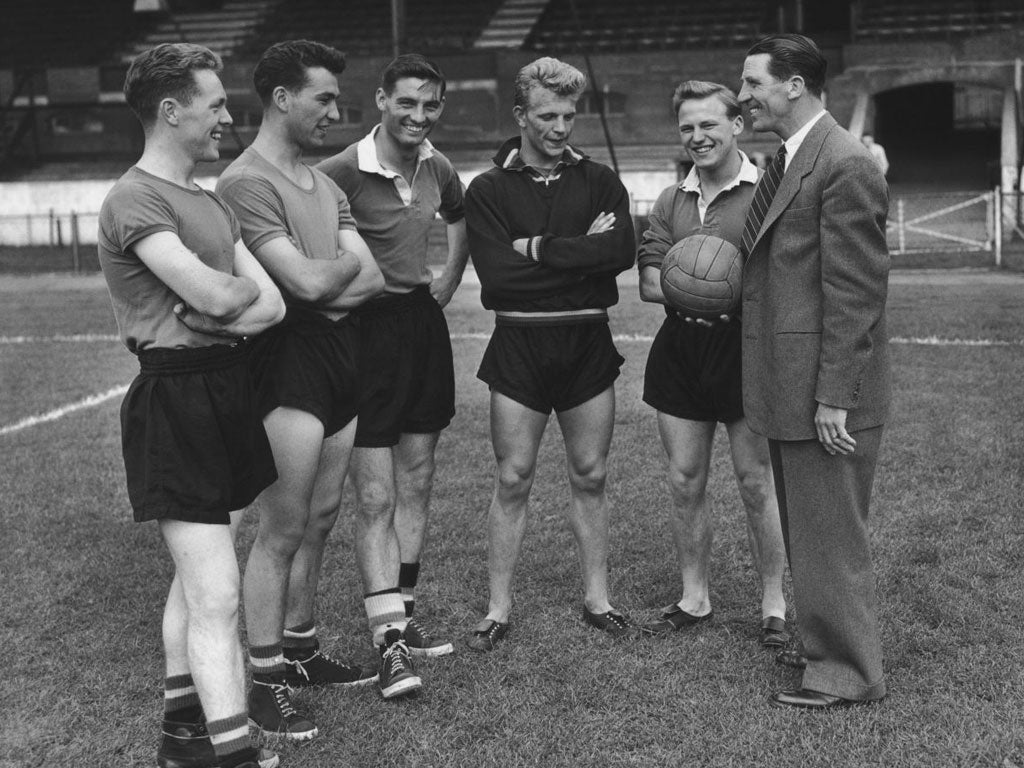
[(806, 212)]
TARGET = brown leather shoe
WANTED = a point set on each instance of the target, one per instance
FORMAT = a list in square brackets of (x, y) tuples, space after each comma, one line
[(801, 698), (773, 632)]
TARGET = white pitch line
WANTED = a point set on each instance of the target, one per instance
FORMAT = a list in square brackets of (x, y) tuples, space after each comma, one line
[(926, 341), (64, 410), (73, 338)]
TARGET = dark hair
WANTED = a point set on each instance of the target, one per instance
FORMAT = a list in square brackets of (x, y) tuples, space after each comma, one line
[(411, 65), (165, 72), (285, 64), (702, 89), (791, 55)]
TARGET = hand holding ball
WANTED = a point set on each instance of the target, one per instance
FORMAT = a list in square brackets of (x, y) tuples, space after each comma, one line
[(701, 277)]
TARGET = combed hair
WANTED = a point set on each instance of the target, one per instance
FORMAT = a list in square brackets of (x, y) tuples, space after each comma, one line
[(689, 90), (790, 55), (550, 74), (285, 64), (165, 72), (411, 65)]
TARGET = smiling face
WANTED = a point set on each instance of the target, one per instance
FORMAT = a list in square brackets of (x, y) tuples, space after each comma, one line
[(545, 125), (409, 113), (707, 132), (202, 122), (768, 99), (313, 108)]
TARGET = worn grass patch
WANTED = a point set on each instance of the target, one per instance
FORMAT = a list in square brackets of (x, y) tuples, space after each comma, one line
[(84, 586)]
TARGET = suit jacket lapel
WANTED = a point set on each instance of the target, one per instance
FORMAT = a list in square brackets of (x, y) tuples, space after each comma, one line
[(801, 165)]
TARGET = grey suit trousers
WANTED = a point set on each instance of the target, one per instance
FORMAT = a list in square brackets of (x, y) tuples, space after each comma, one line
[(823, 505)]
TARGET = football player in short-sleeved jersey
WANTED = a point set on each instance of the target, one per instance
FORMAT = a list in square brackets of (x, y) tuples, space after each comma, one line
[(398, 184), (693, 371), (298, 225), (185, 292)]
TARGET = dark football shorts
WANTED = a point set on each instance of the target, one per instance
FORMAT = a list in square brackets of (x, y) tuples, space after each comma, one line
[(193, 441), (693, 372), (309, 362), (408, 378), (550, 368)]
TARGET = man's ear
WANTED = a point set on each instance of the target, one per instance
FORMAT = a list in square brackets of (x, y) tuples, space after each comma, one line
[(796, 87), (519, 115), (381, 98), (281, 98), (169, 111)]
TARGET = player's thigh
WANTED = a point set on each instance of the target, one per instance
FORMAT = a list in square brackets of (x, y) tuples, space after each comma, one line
[(516, 432), (205, 562), (587, 430), (335, 454), (295, 438), (414, 452), (688, 447)]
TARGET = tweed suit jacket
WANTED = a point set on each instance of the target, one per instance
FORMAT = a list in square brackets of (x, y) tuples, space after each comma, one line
[(814, 291)]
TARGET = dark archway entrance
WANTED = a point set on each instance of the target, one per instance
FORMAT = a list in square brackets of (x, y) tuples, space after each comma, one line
[(939, 137)]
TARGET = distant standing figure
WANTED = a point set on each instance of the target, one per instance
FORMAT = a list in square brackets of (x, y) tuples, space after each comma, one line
[(877, 152)]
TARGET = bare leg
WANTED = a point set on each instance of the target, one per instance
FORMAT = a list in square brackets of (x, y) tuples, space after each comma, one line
[(587, 430), (516, 432), (205, 593), (764, 531), (295, 438), (376, 541), (323, 512), (688, 446), (414, 480)]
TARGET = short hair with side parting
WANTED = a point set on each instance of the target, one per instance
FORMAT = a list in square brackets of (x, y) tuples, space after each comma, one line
[(792, 55), (690, 90), (411, 65), (550, 74), (286, 63), (165, 71)]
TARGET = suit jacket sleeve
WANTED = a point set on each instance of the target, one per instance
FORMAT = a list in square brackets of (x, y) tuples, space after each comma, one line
[(854, 276)]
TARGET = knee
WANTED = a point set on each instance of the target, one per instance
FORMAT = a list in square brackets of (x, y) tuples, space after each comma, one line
[(589, 477), (376, 500), (688, 485), (514, 480), (756, 490), (216, 601), (281, 535)]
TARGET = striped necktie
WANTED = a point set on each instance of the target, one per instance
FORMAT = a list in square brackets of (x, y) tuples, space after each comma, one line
[(763, 196)]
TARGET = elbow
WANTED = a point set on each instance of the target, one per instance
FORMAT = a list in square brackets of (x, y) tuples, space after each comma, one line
[(237, 294)]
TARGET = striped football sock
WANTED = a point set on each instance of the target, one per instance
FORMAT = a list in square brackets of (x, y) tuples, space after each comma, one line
[(384, 610), (230, 739), (408, 575), (181, 700), (302, 636), (267, 661)]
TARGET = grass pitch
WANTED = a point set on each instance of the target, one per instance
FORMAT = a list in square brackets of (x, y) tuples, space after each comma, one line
[(84, 586)]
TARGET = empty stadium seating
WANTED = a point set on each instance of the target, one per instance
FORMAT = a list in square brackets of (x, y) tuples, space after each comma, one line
[(363, 27), (61, 33), (615, 26), (891, 20)]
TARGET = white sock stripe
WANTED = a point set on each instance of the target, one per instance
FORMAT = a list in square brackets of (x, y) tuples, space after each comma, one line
[(273, 661), (236, 734), (300, 635), (180, 693)]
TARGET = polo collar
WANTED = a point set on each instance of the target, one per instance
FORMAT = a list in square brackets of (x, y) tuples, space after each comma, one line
[(747, 174), (366, 154)]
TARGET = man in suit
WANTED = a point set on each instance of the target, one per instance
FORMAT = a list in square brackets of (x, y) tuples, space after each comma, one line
[(816, 378)]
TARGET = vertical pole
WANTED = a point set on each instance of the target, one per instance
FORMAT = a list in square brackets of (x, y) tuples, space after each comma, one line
[(996, 208), (51, 228), (900, 232), (75, 256), (397, 27)]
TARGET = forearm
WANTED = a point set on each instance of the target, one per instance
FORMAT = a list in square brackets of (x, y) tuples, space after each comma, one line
[(650, 285), (367, 284)]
